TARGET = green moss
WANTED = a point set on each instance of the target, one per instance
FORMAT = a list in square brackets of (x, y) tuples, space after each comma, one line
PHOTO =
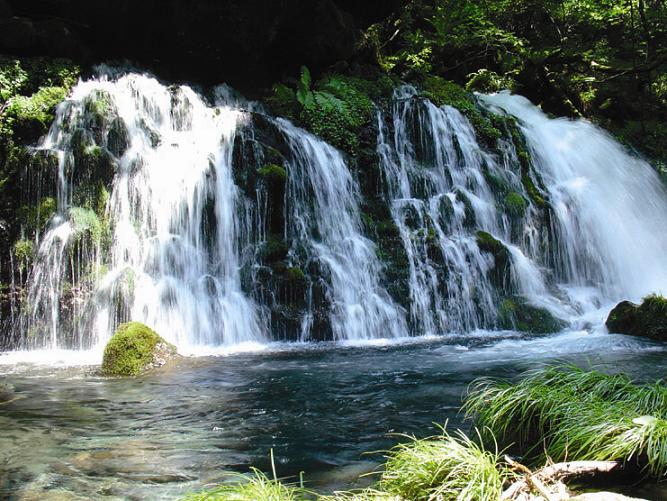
[(273, 172), (23, 251), (515, 204), (516, 313), (273, 250), (487, 242), (525, 163), (86, 223), (443, 92), (648, 319), (35, 218), (99, 103), (295, 274), (131, 350)]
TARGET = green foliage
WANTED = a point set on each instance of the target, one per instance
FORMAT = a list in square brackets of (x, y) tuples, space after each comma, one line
[(85, 224), (515, 204), (12, 78), (23, 251), (599, 58), (335, 109), (30, 89), (255, 486), (488, 81), (443, 92), (130, 350), (570, 414), (444, 467), (35, 218)]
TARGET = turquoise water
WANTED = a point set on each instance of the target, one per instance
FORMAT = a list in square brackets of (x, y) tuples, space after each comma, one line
[(69, 434)]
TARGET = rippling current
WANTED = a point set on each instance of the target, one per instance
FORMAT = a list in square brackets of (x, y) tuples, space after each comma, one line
[(68, 434)]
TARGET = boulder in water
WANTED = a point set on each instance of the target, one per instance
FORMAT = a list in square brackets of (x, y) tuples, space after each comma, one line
[(135, 349), (516, 313), (648, 319)]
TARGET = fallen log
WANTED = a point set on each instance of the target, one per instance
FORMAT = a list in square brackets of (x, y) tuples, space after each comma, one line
[(554, 474)]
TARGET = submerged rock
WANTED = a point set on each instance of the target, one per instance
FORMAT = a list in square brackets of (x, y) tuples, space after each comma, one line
[(135, 349), (648, 319)]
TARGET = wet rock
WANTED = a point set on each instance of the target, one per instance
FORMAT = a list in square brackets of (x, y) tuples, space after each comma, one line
[(649, 319), (135, 349), (516, 313)]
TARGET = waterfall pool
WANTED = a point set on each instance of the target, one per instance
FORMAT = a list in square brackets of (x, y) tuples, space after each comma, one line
[(69, 434)]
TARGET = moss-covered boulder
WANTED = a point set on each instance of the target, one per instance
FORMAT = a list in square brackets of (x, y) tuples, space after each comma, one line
[(516, 313), (649, 319), (135, 349)]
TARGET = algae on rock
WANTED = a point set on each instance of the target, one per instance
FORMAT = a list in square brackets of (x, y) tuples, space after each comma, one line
[(649, 319), (134, 349)]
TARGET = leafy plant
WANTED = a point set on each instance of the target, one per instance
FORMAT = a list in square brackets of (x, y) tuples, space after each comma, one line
[(571, 414)]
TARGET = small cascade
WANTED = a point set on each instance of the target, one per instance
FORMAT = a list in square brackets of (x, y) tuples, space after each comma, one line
[(439, 185), (324, 214), (167, 226), (609, 206)]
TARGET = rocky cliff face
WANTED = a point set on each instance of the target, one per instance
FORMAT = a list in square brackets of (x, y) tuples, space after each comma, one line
[(243, 42)]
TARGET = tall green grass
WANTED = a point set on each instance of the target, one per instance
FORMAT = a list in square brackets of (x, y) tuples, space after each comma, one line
[(442, 468), (567, 413), (254, 487)]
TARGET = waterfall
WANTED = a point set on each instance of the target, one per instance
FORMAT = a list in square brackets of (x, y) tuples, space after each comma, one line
[(325, 214), (438, 178), (218, 225), (172, 214), (610, 207)]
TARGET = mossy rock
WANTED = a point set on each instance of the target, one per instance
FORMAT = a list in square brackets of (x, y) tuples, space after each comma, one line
[(515, 204), (516, 313), (444, 92), (649, 319), (135, 349), (488, 243), (273, 173)]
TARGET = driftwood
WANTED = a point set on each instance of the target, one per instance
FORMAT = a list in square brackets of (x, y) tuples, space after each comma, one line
[(549, 481)]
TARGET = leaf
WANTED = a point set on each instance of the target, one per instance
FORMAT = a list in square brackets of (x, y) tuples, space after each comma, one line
[(305, 78), (644, 420)]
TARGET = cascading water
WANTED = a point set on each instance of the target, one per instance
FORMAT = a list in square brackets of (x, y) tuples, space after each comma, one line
[(218, 226), (609, 206), (325, 215), (173, 214), (438, 178)]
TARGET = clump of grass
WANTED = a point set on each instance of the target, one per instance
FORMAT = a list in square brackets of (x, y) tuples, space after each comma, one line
[(571, 414), (254, 487), (365, 495), (443, 467)]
